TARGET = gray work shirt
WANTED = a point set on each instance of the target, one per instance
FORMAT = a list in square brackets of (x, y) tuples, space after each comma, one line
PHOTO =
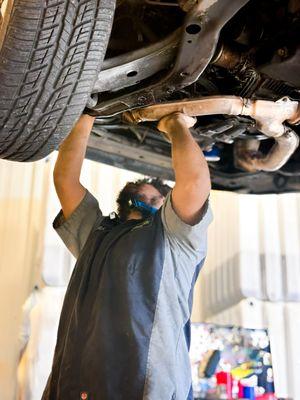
[(127, 309)]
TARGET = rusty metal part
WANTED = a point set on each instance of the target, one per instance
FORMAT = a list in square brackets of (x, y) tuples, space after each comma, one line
[(284, 68), (269, 117), (294, 6), (200, 35), (187, 5), (204, 23), (248, 157), (130, 68), (226, 57), (125, 70)]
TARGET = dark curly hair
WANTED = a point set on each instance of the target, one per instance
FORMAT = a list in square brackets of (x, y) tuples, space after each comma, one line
[(132, 188)]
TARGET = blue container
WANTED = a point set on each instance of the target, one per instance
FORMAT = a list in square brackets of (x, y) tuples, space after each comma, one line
[(249, 393), (212, 155)]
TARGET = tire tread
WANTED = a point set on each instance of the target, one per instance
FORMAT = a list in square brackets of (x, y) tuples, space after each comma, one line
[(48, 83)]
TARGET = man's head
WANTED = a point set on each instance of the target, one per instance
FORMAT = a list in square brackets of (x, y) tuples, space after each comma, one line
[(149, 191)]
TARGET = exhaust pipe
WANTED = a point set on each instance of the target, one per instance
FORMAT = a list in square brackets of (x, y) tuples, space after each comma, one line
[(248, 157), (269, 116)]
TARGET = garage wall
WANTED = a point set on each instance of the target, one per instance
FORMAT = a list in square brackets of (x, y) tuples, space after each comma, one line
[(23, 201), (254, 252)]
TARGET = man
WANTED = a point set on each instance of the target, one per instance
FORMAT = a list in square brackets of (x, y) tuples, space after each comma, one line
[(124, 328)]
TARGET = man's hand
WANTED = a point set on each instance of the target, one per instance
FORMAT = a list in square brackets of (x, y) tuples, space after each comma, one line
[(68, 165), (168, 124), (192, 180)]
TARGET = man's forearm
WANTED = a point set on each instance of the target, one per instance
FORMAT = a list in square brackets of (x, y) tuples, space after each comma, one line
[(69, 163), (72, 150), (188, 161), (192, 179)]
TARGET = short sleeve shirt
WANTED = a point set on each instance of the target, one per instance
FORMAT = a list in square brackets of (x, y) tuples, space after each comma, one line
[(152, 284), (75, 230)]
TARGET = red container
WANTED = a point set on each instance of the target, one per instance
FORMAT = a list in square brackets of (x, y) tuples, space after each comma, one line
[(241, 390), (224, 379), (267, 396)]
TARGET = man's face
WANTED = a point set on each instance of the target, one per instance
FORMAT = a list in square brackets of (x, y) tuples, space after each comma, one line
[(150, 195)]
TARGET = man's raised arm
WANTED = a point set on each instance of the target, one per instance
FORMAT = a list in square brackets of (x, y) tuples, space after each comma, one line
[(68, 165), (192, 179)]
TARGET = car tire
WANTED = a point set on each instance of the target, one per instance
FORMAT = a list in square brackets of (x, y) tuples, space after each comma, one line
[(50, 54)]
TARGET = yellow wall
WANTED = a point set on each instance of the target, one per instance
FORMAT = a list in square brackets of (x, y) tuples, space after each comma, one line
[(253, 251), (23, 201)]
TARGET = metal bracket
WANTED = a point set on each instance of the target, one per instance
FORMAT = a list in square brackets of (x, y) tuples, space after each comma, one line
[(200, 35)]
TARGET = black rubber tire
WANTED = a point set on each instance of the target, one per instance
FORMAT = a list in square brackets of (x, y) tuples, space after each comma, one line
[(51, 54)]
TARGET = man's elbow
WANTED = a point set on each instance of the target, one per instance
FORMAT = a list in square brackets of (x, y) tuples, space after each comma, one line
[(196, 189), (207, 185), (63, 181), (202, 187), (59, 179), (200, 184)]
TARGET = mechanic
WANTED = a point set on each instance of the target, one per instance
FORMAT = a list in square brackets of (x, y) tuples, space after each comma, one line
[(124, 329)]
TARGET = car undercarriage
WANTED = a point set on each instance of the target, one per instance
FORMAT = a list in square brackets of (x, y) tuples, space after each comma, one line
[(233, 64), (169, 52)]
